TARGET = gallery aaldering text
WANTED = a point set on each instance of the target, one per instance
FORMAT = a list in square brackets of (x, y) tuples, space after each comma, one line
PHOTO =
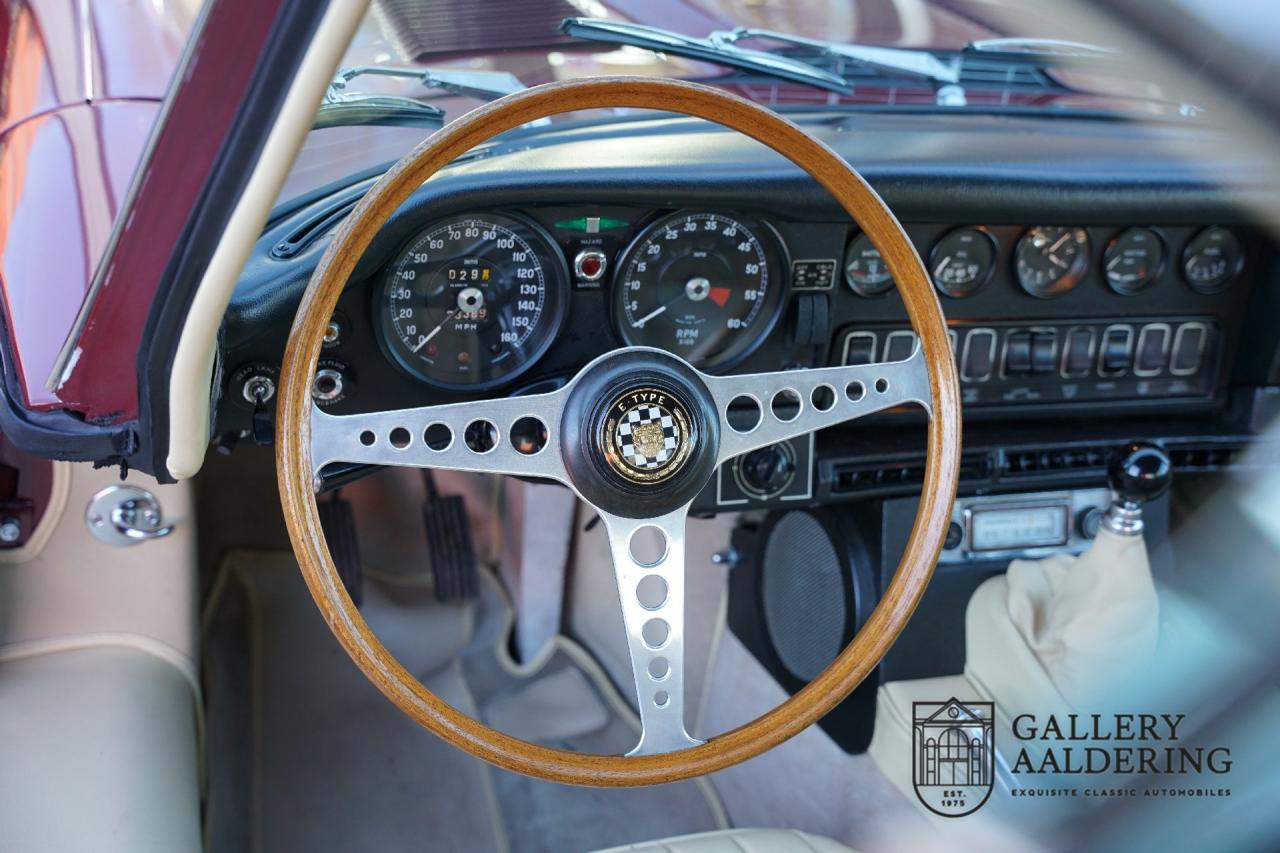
[(1104, 754)]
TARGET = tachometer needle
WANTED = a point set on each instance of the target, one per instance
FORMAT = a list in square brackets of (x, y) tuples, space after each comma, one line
[(422, 343), (647, 317)]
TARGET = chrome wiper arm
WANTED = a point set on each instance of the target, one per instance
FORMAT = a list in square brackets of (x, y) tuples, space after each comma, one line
[(341, 108), (704, 50), (917, 63)]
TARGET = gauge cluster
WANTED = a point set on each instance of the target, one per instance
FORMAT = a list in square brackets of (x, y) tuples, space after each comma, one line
[(478, 302)]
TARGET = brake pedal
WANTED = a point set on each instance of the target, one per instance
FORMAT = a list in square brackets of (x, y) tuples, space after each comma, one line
[(453, 558), (339, 525)]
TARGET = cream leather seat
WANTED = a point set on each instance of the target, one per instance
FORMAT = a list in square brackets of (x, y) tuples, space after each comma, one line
[(739, 841)]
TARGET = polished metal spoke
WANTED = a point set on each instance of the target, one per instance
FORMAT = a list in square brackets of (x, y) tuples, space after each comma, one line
[(651, 588), (490, 436), (760, 409)]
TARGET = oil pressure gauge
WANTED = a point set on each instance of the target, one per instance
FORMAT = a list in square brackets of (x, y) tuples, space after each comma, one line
[(962, 261)]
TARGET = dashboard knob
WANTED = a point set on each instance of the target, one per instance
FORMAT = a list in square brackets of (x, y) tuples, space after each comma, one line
[(767, 471)]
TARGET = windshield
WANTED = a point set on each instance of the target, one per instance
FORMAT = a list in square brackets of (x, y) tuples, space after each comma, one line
[(992, 55)]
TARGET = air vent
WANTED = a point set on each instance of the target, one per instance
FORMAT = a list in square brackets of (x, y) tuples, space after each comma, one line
[(1204, 457), (311, 230), (1052, 460), (853, 477)]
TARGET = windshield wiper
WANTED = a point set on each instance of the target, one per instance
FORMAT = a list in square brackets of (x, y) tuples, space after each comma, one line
[(705, 50), (341, 108)]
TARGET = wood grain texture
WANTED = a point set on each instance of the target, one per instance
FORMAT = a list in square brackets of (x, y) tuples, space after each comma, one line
[(293, 424)]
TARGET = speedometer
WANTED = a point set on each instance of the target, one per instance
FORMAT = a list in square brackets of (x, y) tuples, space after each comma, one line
[(473, 301), (704, 286)]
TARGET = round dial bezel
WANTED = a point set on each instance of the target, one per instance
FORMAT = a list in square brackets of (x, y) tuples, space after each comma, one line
[(987, 273), (1124, 288), (765, 319), (1233, 270), (1071, 277), (555, 276), (861, 290)]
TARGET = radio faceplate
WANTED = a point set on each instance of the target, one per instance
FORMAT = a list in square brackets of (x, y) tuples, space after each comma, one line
[(1010, 363), (1009, 527)]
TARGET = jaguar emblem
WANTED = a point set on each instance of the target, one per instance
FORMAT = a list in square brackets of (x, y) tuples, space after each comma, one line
[(646, 435)]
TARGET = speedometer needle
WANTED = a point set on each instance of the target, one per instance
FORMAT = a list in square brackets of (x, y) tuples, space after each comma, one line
[(447, 317)]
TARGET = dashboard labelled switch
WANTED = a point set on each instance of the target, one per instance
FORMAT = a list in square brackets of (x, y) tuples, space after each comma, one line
[(1017, 353), (1078, 353), (1115, 356), (899, 346), (1189, 346), (860, 348), (1152, 353), (977, 361), (1044, 351)]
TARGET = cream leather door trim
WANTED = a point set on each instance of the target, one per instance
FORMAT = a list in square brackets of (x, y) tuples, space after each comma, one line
[(35, 543)]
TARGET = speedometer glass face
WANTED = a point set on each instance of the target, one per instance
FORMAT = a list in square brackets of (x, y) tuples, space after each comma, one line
[(1050, 260), (703, 286), (472, 301)]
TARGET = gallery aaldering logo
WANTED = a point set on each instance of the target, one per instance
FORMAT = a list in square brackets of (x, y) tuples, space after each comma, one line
[(1068, 755), (954, 752)]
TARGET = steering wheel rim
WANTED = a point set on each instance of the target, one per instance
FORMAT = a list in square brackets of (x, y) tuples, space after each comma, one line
[(294, 424)]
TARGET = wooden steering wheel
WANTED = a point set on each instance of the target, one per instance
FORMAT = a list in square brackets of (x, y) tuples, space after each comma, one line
[(636, 433)]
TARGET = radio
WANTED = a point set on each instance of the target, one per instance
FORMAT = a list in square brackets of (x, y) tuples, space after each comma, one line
[(1003, 363)]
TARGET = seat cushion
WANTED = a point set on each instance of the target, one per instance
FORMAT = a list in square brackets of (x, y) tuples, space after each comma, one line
[(739, 841), (98, 753), (891, 741)]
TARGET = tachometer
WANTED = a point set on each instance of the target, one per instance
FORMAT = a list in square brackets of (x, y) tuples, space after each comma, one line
[(704, 286), (473, 301)]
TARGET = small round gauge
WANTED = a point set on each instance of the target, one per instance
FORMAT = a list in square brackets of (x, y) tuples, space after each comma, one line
[(704, 286), (962, 261), (1133, 259), (1050, 259), (471, 302), (1212, 259), (864, 270)]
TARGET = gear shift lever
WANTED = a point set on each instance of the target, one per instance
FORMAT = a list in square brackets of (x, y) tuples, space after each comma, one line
[(1138, 472)]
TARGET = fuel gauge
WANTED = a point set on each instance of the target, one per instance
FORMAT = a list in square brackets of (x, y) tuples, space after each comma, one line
[(865, 271)]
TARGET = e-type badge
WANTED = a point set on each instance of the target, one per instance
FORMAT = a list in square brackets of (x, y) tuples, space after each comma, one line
[(646, 435)]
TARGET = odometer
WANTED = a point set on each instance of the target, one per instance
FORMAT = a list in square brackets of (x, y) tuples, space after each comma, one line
[(704, 286), (472, 302)]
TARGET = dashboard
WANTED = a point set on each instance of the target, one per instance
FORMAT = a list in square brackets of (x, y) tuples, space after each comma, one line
[(515, 269)]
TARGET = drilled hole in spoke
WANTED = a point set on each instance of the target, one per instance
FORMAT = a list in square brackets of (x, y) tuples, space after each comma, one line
[(823, 398), (662, 698), (743, 413), (481, 436), (655, 633), (882, 385), (400, 438), (648, 546), (367, 438), (855, 391), (437, 437), (651, 592), (659, 669), (528, 435), (786, 405)]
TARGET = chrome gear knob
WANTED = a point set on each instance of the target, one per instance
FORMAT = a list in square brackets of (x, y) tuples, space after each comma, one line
[(1138, 473)]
